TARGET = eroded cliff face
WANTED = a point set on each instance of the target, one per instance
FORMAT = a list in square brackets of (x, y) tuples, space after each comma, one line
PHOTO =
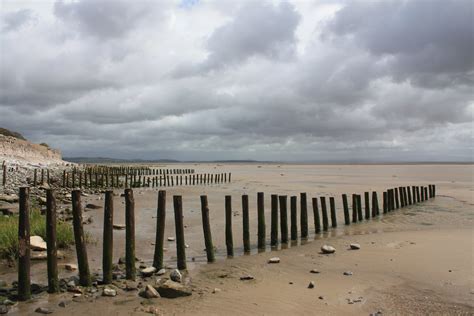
[(17, 150)]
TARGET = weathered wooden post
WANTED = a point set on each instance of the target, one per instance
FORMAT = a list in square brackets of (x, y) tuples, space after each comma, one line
[(409, 195), (42, 176), (130, 271), (418, 198), (206, 227), (84, 274), (385, 202), (229, 242), (293, 218), (34, 177), (160, 230), (397, 201), (345, 205), (303, 216), (434, 190), (246, 225), (391, 199), (317, 221), (332, 205), (230, 176), (354, 208), (274, 221), (108, 240), (283, 218), (52, 249), (367, 205), (180, 243), (359, 207), (426, 193), (413, 193), (24, 284), (261, 220), (324, 212), (375, 204), (4, 175)]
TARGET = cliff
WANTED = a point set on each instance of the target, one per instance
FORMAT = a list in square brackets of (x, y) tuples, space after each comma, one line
[(15, 150)]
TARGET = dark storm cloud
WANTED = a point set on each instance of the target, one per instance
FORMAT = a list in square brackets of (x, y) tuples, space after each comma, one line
[(247, 80), (14, 20)]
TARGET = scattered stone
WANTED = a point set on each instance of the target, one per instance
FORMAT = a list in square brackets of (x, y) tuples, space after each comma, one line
[(63, 304), (37, 243), (274, 260), (311, 285), (3, 309), (171, 289), (149, 292), (176, 276), (118, 226), (70, 266), (216, 290), (315, 271), (355, 246), (347, 273), (93, 206), (147, 272), (109, 292), (328, 249), (161, 272), (247, 277), (170, 238), (321, 297), (43, 310)]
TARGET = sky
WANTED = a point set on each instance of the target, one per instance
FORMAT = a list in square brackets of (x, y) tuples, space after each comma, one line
[(252, 79)]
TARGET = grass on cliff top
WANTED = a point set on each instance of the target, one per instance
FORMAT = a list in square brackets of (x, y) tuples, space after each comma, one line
[(9, 233)]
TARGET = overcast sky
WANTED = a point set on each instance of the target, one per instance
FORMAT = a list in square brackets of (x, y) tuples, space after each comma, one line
[(267, 80)]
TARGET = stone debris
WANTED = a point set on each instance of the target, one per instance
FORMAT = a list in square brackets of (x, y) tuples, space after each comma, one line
[(170, 238), (348, 273), (274, 260), (354, 246), (315, 271), (171, 289), (109, 292), (176, 276), (326, 249), (147, 272), (37, 243), (149, 292)]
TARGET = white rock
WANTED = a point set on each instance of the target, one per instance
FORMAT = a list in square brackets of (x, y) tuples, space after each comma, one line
[(37, 243), (70, 266), (161, 272), (109, 292), (274, 260), (146, 272), (170, 238), (355, 246), (150, 292), (176, 276), (328, 249)]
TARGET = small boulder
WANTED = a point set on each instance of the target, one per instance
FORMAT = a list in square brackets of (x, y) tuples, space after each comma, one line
[(171, 289), (170, 238), (274, 260), (37, 243), (109, 292), (347, 273), (354, 246), (315, 271), (311, 285), (149, 292), (216, 290), (43, 310), (70, 266), (176, 276), (9, 198), (161, 272), (147, 272), (326, 249)]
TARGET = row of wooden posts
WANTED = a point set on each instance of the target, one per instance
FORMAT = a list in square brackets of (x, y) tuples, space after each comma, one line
[(392, 199), (100, 180), (141, 171)]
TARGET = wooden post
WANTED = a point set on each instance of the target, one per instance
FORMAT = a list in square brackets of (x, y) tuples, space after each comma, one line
[(317, 221), (405, 195), (84, 274), (385, 202), (413, 193), (367, 205), (293, 218), (354, 208), (130, 271), (24, 285), (332, 205), (426, 192), (274, 221), (160, 230), (52, 250), (397, 200), (324, 212), (261, 220), (180, 243), (42, 176), (206, 227), (230, 176), (418, 198), (108, 240), (345, 205), (229, 242), (434, 190), (359, 207), (35, 177), (283, 219), (303, 215), (245, 219), (375, 204), (409, 195), (4, 176)]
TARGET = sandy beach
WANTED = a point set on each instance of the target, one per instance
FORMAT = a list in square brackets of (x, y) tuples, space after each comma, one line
[(416, 260)]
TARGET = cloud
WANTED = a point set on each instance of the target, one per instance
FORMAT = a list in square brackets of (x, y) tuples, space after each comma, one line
[(12, 21)]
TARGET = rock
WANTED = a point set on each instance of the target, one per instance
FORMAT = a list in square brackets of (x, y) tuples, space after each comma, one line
[(119, 226), (37, 243), (63, 303), (216, 290), (3, 309), (161, 272), (247, 277), (347, 273), (131, 286), (146, 272), (321, 297), (274, 260), (315, 271), (328, 249), (311, 285), (70, 266), (43, 310), (93, 206), (149, 292), (354, 246), (109, 292), (41, 200), (171, 289), (6, 211), (3, 283), (176, 276), (12, 198), (170, 238)]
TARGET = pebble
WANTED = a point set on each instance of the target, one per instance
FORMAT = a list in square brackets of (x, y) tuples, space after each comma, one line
[(354, 246), (347, 273), (150, 292), (170, 238), (321, 297), (161, 272), (328, 249), (43, 310), (70, 267), (109, 292), (176, 276), (315, 271), (311, 285), (216, 290), (146, 272), (63, 304), (274, 260), (247, 277), (118, 226)]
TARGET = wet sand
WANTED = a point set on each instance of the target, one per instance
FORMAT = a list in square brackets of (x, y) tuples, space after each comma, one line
[(403, 267)]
